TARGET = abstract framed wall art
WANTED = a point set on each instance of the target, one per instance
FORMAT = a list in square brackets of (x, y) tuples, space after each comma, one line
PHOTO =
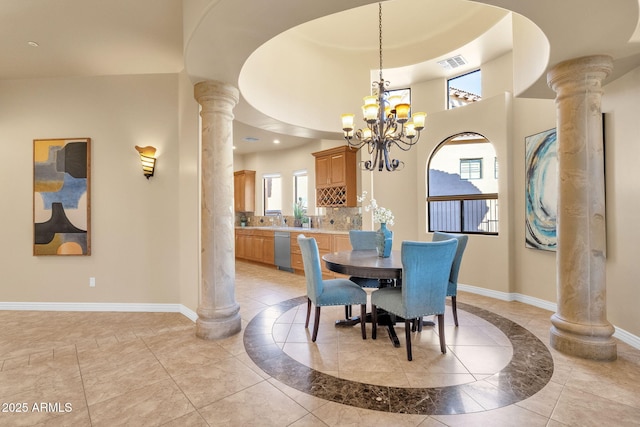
[(61, 196), (541, 192)]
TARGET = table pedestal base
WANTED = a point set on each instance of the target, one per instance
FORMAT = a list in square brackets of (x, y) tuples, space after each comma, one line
[(348, 322), (384, 319)]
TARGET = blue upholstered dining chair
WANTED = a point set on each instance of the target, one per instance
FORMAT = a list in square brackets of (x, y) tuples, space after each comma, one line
[(323, 292), (362, 240), (425, 274), (452, 288)]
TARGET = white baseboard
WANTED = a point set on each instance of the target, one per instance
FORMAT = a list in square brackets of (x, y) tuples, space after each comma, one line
[(621, 334), (187, 312), (89, 306), (624, 336)]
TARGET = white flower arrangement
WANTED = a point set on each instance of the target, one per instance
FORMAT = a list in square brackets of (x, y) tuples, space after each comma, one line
[(380, 214)]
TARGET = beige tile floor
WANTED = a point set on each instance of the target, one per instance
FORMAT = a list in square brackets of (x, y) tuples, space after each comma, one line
[(147, 369)]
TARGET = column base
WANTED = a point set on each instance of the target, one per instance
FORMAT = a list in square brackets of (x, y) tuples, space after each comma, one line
[(586, 347), (212, 329)]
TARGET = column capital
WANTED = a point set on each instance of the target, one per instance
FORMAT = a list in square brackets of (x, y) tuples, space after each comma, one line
[(596, 67), (210, 90)]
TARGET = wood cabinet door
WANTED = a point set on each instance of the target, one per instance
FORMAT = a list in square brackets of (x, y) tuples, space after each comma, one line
[(268, 250), (243, 244), (323, 169), (257, 248), (337, 169), (244, 191), (238, 192)]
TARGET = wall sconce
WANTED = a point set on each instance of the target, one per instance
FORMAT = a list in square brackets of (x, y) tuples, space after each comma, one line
[(148, 159)]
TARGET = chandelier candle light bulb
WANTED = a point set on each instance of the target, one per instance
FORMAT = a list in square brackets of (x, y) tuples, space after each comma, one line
[(347, 122)]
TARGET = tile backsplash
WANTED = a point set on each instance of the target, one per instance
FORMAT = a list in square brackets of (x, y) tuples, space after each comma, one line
[(337, 219)]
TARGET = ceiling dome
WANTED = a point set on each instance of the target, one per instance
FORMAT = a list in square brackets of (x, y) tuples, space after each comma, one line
[(308, 75)]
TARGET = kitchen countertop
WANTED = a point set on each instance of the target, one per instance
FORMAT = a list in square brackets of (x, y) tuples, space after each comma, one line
[(295, 229)]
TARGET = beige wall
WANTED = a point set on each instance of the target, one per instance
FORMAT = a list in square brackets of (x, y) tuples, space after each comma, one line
[(134, 223), (622, 151), (189, 195)]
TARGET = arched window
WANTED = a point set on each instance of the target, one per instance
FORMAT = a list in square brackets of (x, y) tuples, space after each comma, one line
[(462, 194)]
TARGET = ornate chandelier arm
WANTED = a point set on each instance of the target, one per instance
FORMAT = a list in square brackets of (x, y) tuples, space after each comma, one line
[(358, 143), (406, 145)]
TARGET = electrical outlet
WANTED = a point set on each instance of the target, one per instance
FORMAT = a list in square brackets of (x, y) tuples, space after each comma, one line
[(92, 282), (348, 220)]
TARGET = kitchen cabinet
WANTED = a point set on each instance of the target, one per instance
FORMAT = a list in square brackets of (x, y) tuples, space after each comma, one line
[(244, 191), (255, 245), (267, 248), (336, 183), (258, 245), (243, 242)]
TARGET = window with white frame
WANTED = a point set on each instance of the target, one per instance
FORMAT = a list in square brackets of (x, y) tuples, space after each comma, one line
[(272, 194), (464, 89), (471, 169), (301, 188)]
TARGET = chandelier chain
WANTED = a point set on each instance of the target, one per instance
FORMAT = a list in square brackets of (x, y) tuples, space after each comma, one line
[(380, 36)]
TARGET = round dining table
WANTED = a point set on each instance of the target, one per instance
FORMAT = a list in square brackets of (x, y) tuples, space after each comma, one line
[(365, 263)]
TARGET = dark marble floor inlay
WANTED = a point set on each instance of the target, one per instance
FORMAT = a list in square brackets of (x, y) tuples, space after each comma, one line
[(529, 370)]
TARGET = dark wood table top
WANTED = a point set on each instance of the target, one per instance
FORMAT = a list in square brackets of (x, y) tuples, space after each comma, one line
[(365, 264)]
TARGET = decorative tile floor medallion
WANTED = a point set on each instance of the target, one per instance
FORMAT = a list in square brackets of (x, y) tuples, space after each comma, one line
[(528, 371)]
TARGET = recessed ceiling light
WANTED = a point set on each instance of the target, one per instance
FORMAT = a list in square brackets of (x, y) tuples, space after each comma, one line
[(33, 44), (250, 139), (234, 147), (276, 141)]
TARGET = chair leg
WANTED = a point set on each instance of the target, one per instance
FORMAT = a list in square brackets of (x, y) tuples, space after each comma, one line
[(454, 308), (363, 320), (316, 322), (374, 322), (443, 346), (306, 324), (347, 312), (407, 334), (416, 324)]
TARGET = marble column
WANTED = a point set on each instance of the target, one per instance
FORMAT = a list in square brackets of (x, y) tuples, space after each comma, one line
[(580, 326), (218, 312)]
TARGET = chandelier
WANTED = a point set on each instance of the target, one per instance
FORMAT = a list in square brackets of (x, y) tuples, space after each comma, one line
[(389, 123)]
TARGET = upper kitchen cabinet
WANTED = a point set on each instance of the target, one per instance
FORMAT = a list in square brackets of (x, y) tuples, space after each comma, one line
[(336, 177), (244, 191)]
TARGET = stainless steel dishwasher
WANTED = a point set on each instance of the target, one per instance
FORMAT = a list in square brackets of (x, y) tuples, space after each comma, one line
[(282, 242)]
